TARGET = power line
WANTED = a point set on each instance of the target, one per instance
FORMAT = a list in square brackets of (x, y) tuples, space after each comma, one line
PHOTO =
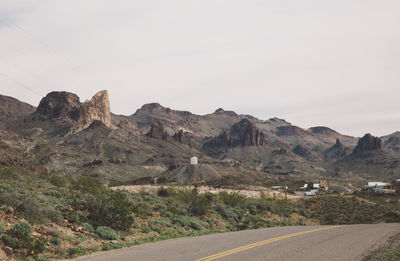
[(21, 84), (67, 64)]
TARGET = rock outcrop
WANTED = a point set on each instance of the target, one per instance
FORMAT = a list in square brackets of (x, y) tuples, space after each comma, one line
[(180, 137), (301, 151), (336, 151), (65, 107), (157, 131), (368, 143), (243, 133)]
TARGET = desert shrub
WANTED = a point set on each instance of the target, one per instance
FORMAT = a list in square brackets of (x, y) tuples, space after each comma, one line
[(88, 227), (196, 203), (113, 209), (253, 210), (178, 220), (76, 251), (227, 213), (166, 192), (88, 185), (58, 181), (232, 199), (107, 233), (21, 230), (9, 241), (141, 209), (159, 221), (187, 222), (55, 241), (22, 203), (36, 246), (195, 224)]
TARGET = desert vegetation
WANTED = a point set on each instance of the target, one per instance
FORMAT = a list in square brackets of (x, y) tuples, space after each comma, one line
[(46, 216)]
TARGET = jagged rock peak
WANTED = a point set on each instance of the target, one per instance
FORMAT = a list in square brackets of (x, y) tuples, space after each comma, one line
[(243, 133), (368, 143), (157, 131), (338, 143), (66, 107), (219, 110)]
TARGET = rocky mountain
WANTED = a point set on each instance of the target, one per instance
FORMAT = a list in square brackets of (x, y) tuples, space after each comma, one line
[(243, 133), (336, 152), (392, 143), (66, 108), (12, 109), (155, 143)]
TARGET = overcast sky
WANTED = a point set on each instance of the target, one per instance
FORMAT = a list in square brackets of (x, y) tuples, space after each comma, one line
[(311, 62)]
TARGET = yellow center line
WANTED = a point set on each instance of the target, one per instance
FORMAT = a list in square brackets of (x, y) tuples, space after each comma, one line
[(260, 243)]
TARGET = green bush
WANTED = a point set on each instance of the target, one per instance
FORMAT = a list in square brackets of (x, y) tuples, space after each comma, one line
[(112, 208), (58, 181), (196, 203), (88, 185), (21, 230), (88, 227), (107, 233), (232, 199), (9, 241), (36, 246)]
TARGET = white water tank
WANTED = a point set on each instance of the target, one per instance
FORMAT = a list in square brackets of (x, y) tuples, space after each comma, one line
[(193, 161)]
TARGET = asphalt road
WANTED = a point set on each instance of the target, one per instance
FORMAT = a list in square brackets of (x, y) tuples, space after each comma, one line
[(349, 242)]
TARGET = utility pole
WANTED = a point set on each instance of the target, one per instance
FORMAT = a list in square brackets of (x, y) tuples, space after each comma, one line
[(285, 188)]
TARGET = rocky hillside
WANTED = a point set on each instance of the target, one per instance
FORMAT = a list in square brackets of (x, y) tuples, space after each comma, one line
[(155, 143), (12, 109)]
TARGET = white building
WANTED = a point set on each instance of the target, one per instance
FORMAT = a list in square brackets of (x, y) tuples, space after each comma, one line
[(377, 184), (194, 161)]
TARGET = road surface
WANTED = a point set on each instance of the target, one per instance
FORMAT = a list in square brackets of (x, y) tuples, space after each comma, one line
[(301, 243)]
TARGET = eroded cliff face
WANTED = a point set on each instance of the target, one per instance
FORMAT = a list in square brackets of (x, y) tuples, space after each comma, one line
[(97, 109), (65, 107), (368, 143), (243, 133), (157, 131)]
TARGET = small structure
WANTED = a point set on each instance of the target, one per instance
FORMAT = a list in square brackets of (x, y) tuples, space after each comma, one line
[(194, 160), (312, 192), (314, 186), (379, 187)]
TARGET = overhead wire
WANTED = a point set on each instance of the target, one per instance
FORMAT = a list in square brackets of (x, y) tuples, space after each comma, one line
[(21, 84), (7, 21)]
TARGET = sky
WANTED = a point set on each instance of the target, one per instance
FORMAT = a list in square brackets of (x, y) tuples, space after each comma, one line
[(310, 62)]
